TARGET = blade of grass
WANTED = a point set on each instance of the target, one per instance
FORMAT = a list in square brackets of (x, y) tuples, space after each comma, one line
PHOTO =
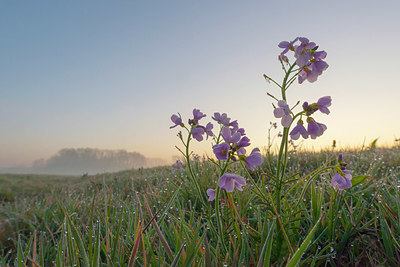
[(158, 230), (77, 236), (299, 252), (96, 254), (207, 254), (136, 245), (116, 237), (265, 255), (178, 255)]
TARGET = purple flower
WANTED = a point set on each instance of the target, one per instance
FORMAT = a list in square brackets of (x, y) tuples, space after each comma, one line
[(177, 120), (312, 72), (226, 133), (323, 104), (283, 111), (221, 151), (303, 75), (241, 131), (208, 129), (342, 182), (254, 159), (221, 118), (197, 114), (229, 181), (197, 133), (211, 194), (287, 45), (241, 151), (303, 52), (235, 126), (245, 141), (299, 130), (309, 109), (315, 129), (318, 66), (311, 61)]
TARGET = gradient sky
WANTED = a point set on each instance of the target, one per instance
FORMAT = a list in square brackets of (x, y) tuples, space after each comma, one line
[(109, 74)]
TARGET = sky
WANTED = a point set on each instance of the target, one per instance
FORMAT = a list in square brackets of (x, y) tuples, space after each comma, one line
[(109, 74)]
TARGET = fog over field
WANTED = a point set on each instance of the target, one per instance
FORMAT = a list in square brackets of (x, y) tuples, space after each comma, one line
[(78, 161)]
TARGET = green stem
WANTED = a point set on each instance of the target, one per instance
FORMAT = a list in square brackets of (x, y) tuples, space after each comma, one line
[(280, 171), (217, 210), (191, 174)]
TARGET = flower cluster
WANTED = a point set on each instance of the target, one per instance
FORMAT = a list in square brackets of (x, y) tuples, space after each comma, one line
[(307, 58), (230, 145), (342, 179), (196, 129), (235, 143), (314, 129)]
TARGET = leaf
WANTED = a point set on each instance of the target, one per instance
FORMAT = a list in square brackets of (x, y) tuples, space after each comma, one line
[(300, 251), (266, 250), (207, 251), (176, 260), (373, 144), (96, 254), (136, 244), (359, 179), (77, 236)]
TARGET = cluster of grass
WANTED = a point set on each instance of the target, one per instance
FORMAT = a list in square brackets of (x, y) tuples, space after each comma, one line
[(154, 217)]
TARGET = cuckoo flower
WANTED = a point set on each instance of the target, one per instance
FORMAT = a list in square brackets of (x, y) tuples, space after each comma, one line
[(323, 104), (299, 130), (314, 128), (221, 118), (177, 120), (287, 45), (208, 130), (235, 125), (310, 109), (254, 159), (229, 181), (303, 52), (230, 137), (197, 114), (342, 182), (211, 194), (245, 141), (197, 133), (241, 131), (221, 151), (283, 111)]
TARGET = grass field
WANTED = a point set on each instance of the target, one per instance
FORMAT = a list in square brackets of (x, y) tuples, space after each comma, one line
[(106, 219)]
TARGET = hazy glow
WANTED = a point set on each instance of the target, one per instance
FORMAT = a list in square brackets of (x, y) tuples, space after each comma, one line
[(109, 75)]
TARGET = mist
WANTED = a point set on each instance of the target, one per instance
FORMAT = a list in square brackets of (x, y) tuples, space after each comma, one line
[(79, 161)]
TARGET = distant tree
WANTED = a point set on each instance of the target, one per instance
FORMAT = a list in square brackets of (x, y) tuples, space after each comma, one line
[(89, 160)]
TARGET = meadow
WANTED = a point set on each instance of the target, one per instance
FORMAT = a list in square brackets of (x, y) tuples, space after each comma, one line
[(154, 217), (283, 207)]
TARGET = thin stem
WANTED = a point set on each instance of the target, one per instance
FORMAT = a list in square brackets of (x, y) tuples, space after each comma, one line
[(191, 171), (280, 171), (217, 210)]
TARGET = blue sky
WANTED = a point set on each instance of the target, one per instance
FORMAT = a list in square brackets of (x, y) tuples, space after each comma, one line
[(109, 74)]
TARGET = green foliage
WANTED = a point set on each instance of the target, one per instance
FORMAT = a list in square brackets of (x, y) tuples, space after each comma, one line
[(96, 220)]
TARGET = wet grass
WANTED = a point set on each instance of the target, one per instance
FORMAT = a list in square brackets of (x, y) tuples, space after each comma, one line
[(154, 217)]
